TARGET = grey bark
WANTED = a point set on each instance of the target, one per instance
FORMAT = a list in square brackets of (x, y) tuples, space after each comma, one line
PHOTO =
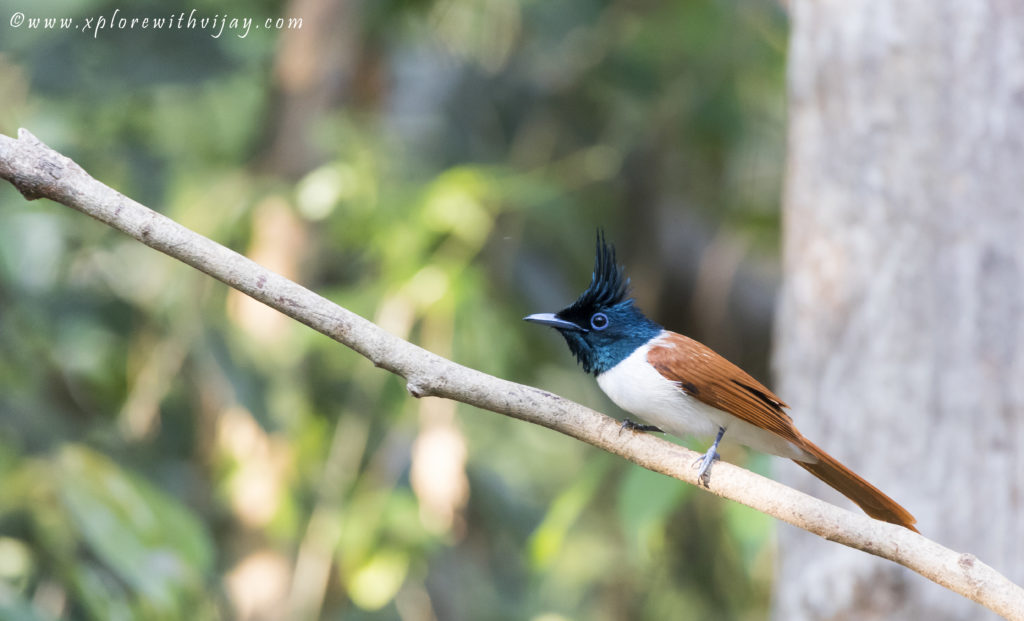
[(899, 338)]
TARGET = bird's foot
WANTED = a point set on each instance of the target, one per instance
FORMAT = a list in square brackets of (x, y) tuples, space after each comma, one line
[(704, 464), (635, 426), (704, 474)]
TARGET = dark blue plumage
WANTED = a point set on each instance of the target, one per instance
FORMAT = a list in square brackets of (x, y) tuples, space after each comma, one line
[(608, 284), (602, 326)]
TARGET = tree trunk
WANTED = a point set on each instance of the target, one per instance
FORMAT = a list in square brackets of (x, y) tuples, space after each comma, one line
[(900, 346)]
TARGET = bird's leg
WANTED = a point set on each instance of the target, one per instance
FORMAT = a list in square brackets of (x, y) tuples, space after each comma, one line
[(635, 426), (704, 474)]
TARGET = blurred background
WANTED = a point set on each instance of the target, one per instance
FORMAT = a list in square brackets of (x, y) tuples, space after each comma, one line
[(170, 449)]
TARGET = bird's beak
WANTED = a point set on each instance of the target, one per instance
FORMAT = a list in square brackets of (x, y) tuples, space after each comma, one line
[(549, 319)]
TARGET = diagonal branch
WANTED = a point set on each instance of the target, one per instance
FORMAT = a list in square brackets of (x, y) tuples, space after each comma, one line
[(40, 172)]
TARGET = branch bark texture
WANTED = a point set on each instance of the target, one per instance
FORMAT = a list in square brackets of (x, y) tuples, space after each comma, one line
[(40, 172)]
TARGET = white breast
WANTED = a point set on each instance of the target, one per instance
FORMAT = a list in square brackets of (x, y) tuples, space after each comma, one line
[(637, 387)]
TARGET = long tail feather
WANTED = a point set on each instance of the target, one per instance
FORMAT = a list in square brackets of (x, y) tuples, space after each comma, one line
[(849, 484)]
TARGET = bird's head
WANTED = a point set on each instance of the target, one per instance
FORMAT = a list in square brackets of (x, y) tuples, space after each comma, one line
[(602, 327)]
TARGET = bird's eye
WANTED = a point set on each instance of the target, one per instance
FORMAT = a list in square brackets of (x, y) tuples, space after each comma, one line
[(599, 321)]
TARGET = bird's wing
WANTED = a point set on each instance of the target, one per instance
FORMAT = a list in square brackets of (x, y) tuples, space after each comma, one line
[(710, 378), (715, 381)]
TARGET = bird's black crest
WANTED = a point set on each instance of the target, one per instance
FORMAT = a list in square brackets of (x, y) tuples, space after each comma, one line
[(608, 284)]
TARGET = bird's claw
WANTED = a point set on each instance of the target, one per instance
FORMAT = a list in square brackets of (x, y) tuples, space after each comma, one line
[(704, 463), (635, 426)]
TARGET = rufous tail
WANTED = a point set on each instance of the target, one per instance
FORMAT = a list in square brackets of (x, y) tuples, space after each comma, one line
[(849, 484)]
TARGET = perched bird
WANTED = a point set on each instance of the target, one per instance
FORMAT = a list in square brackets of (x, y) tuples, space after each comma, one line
[(682, 387)]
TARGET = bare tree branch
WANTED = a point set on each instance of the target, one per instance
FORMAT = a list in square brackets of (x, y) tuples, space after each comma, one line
[(40, 172)]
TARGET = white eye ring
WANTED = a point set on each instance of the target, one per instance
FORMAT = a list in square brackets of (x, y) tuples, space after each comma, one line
[(599, 321)]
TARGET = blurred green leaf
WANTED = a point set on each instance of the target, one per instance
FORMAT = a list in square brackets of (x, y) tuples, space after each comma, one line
[(645, 501), (752, 530), (376, 582), (146, 538), (548, 539), (103, 597)]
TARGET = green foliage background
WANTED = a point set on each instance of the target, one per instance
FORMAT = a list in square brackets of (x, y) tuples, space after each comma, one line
[(169, 450)]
